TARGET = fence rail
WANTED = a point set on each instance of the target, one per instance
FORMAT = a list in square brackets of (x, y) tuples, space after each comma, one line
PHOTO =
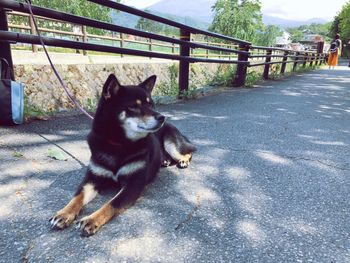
[(185, 48)]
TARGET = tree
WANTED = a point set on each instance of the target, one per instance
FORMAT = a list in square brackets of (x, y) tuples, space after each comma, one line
[(268, 36), (334, 29), (297, 33), (238, 18), (78, 7), (344, 22)]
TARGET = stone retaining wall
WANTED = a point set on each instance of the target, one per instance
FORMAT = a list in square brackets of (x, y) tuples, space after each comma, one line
[(85, 81)]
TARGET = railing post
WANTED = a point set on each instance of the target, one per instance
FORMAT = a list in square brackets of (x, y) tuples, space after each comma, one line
[(173, 47), (85, 39), (207, 50), (184, 68), (241, 72), (311, 59), (317, 59), (5, 48), (33, 32), (121, 42), (285, 58), (150, 46), (295, 64), (267, 66), (229, 54), (306, 54)]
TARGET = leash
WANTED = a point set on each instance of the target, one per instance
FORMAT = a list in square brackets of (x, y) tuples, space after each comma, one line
[(70, 95)]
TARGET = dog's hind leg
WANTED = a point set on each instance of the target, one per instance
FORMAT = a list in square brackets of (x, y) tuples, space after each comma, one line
[(166, 159), (181, 154)]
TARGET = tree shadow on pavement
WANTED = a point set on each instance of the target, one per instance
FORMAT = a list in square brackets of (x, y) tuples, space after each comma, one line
[(268, 184)]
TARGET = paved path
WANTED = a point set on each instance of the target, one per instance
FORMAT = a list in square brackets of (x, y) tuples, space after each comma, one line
[(270, 183)]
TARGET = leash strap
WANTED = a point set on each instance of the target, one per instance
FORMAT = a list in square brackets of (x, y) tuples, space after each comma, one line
[(70, 95)]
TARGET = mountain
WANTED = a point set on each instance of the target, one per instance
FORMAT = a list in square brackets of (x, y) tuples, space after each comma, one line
[(284, 23), (201, 10), (124, 19), (196, 9), (127, 20), (198, 13)]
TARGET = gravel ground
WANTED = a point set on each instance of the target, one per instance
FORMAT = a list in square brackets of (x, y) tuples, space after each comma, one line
[(269, 183)]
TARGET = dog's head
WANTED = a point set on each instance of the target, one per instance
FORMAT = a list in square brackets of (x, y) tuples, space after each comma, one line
[(130, 108)]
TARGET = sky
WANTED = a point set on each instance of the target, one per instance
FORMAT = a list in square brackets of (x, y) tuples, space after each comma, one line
[(288, 9)]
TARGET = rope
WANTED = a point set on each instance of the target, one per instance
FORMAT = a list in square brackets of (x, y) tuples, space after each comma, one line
[(70, 95)]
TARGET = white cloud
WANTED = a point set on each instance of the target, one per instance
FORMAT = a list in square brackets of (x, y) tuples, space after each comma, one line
[(302, 9), (139, 3), (296, 9)]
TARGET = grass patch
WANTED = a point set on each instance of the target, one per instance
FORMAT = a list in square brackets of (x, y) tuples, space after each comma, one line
[(172, 88), (32, 112), (224, 76), (252, 78)]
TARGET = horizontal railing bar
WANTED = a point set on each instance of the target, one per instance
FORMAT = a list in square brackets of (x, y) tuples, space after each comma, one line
[(169, 22), (203, 46), (281, 49), (217, 44), (61, 32), (271, 56), (33, 39), (21, 7), (214, 55), (270, 63), (280, 62)]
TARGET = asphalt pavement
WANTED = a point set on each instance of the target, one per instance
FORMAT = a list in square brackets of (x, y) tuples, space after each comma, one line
[(270, 182)]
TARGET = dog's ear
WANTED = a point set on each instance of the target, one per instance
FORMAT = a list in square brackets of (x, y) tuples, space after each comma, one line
[(111, 87), (149, 83)]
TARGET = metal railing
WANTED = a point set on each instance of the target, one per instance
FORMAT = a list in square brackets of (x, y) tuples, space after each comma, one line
[(244, 54), (283, 57), (80, 33)]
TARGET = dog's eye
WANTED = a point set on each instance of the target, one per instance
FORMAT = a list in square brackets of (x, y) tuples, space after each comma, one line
[(150, 104)]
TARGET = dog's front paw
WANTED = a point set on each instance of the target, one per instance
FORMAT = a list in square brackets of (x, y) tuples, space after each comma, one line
[(88, 226), (62, 220), (166, 163)]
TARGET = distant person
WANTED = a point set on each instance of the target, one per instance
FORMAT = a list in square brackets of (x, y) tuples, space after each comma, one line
[(334, 51)]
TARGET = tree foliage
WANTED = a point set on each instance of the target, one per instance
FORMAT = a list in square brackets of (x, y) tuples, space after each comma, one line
[(342, 22), (156, 27), (334, 28), (77, 7), (238, 18), (297, 33), (268, 36)]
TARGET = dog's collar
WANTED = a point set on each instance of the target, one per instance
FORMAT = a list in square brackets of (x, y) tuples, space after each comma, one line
[(113, 143), (104, 140)]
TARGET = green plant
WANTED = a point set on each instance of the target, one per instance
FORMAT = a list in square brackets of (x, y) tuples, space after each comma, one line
[(275, 71), (169, 88), (91, 104), (191, 93), (252, 78), (18, 154), (224, 76), (33, 112)]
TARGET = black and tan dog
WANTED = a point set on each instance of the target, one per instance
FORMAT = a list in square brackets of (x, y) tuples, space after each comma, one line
[(129, 142)]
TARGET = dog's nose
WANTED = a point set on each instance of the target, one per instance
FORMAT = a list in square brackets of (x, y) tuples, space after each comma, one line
[(160, 118)]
